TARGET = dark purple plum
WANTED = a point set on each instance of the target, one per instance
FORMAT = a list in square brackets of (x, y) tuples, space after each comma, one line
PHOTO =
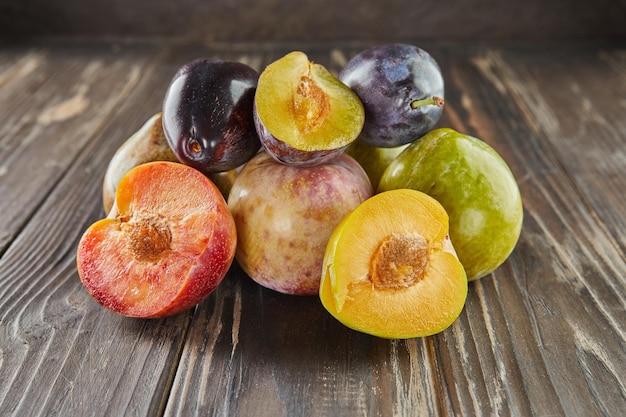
[(207, 114), (401, 88)]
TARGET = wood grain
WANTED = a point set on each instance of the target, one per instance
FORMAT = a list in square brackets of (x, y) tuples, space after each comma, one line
[(543, 335), (481, 365), (53, 105), (578, 108)]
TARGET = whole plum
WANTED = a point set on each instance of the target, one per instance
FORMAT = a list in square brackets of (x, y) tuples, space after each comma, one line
[(285, 214), (207, 114), (402, 91)]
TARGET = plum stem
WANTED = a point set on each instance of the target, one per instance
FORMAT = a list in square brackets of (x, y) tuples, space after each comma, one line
[(434, 101)]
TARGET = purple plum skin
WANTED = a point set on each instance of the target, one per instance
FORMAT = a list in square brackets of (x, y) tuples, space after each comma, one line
[(285, 215), (387, 79), (207, 114)]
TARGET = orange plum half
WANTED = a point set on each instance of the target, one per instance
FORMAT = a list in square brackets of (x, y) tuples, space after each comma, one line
[(390, 269)]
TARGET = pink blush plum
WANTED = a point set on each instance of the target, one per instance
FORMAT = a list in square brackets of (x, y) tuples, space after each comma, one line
[(285, 215)]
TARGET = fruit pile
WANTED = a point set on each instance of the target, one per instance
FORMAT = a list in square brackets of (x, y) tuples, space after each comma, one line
[(335, 186)]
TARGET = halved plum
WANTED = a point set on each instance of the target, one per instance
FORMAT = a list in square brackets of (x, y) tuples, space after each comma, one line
[(303, 114), (167, 243), (390, 269)]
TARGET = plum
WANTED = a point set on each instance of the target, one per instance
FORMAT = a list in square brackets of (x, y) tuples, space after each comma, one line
[(284, 215), (402, 91), (167, 243), (303, 114), (147, 144), (207, 114), (373, 159), (475, 186), (390, 270)]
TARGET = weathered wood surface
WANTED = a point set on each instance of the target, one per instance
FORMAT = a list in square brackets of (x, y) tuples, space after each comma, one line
[(543, 335)]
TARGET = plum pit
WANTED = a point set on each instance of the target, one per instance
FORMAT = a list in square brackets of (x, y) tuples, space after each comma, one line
[(310, 105), (400, 261), (147, 237)]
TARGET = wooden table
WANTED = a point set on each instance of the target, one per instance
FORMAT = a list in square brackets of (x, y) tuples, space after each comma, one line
[(543, 335)]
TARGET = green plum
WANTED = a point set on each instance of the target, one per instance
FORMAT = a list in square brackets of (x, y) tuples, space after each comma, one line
[(373, 159), (475, 186)]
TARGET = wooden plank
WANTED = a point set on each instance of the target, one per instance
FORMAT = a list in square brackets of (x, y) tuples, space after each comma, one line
[(15, 63), (55, 102), (62, 354), (253, 351)]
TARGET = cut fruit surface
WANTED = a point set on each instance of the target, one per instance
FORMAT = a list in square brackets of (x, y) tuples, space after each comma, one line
[(390, 269)]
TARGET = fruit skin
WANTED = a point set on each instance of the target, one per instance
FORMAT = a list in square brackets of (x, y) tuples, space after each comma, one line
[(285, 214), (373, 159), (475, 186), (388, 79), (207, 114), (147, 144), (167, 243), (421, 288), (303, 114)]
